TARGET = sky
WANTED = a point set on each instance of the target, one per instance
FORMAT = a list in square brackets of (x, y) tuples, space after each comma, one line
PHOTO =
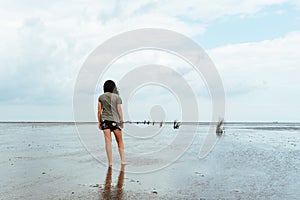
[(254, 44)]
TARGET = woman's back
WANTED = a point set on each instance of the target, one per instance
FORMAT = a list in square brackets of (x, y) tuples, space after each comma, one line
[(109, 103)]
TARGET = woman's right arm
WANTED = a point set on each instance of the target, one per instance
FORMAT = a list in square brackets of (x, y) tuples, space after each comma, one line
[(99, 114)]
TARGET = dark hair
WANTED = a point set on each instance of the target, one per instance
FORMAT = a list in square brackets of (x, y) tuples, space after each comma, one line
[(110, 86)]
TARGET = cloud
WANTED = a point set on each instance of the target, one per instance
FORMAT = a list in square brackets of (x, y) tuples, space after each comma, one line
[(35, 70), (261, 78), (272, 63), (44, 44), (210, 10)]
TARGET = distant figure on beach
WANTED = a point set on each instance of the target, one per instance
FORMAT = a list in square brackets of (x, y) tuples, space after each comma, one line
[(176, 125), (110, 118), (219, 129), (160, 124)]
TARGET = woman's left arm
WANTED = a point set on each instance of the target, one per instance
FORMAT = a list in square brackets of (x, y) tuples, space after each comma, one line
[(119, 106)]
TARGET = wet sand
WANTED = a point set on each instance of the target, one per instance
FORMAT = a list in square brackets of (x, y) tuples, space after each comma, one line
[(251, 161)]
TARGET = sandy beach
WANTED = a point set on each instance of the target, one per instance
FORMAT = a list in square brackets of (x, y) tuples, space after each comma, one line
[(250, 161)]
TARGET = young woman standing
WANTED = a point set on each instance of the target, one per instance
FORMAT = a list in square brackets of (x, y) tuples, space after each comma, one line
[(110, 118)]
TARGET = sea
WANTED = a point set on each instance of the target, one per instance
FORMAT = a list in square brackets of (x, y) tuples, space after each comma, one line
[(250, 160)]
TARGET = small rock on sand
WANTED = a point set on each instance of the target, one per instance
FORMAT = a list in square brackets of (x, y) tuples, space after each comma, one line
[(96, 185), (200, 174)]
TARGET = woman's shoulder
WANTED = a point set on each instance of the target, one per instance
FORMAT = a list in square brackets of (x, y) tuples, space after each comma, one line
[(109, 94), (117, 98), (104, 95), (115, 95)]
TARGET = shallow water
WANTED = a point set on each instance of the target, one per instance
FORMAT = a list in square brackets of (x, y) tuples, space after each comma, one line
[(49, 161)]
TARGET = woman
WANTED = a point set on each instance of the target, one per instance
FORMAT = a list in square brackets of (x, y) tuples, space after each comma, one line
[(110, 118)]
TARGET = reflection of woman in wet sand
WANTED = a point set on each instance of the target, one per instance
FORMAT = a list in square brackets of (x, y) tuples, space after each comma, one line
[(118, 192), (110, 118)]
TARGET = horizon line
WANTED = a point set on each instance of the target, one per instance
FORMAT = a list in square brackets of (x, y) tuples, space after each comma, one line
[(150, 122)]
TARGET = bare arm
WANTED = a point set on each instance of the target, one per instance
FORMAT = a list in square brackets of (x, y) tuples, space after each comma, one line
[(99, 114), (119, 107)]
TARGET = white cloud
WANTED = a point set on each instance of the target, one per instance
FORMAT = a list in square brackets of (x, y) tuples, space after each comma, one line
[(260, 76), (43, 44), (35, 69), (209, 10), (272, 62)]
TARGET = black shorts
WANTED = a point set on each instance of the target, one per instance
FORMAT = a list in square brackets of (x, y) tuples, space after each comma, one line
[(112, 125)]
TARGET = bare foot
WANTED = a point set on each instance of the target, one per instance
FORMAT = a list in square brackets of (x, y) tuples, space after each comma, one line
[(110, 164), (123, 163)]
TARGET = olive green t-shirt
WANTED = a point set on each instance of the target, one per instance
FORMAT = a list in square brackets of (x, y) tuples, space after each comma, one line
[(109, 102)]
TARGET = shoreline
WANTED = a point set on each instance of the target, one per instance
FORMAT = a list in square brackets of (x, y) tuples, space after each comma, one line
[(51, 163), (156, 122)]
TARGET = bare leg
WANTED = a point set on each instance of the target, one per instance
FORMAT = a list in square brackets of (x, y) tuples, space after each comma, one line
[(107, 137), (118, 136)]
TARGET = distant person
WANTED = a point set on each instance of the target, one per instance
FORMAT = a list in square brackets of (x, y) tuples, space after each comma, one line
[(110, 118)]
